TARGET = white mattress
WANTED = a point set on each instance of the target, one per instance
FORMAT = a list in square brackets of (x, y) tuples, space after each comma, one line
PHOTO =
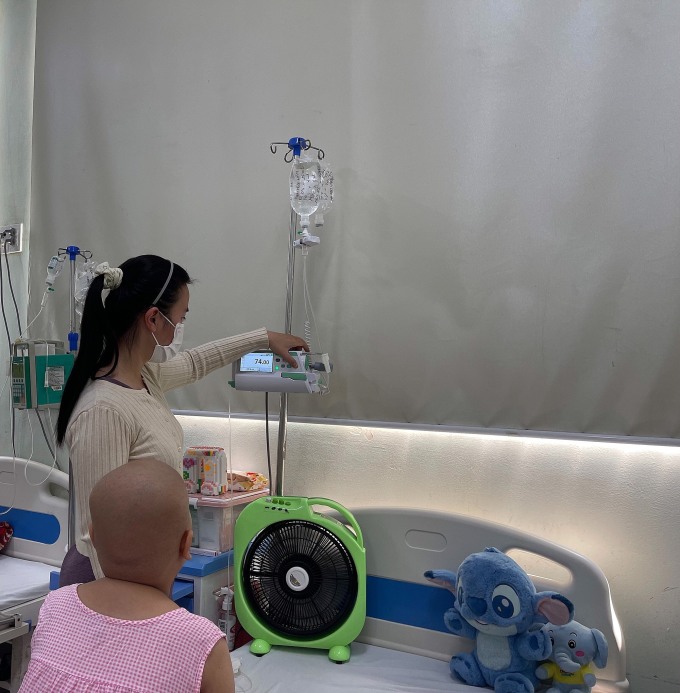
[(22, 580), (370, 669)]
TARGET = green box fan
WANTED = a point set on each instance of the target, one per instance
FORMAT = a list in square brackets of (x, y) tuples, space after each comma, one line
[(300, 576)]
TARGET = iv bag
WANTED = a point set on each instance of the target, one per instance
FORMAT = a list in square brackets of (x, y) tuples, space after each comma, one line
[(83, 278), (305, 185), (54, 267), (326, 193)]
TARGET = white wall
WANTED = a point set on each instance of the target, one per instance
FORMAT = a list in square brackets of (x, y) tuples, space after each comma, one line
[(17, 59), (615, 502)]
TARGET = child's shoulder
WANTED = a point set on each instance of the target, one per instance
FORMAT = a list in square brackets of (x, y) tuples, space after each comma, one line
[(199, 625), (59, 601), (133, 604), (63, 594)]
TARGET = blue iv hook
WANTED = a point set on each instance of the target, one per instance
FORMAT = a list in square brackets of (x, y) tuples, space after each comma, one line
[(73, 252), (297, 144)]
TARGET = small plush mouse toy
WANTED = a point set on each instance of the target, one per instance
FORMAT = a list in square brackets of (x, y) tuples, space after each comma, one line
[(496, 604)]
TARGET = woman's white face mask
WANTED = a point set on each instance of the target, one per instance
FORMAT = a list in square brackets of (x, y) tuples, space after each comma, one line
[(161, 353)]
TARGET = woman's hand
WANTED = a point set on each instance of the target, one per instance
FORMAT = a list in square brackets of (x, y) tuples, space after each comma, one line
[(281, 343)]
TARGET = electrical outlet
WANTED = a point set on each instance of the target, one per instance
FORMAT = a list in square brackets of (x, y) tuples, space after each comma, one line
[(11, 237)]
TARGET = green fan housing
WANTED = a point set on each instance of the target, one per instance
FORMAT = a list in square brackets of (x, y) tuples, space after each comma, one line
[(300, 575)]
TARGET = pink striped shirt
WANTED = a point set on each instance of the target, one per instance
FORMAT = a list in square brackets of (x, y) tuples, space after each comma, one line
[(75, 649)]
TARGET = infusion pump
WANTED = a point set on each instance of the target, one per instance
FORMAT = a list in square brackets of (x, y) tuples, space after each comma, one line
[(39, 370), (264, 371)]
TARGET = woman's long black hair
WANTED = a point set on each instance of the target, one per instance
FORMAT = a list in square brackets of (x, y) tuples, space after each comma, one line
[(104, 325)]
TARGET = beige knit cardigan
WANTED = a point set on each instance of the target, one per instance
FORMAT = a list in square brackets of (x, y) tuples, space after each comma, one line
[(112, 424)]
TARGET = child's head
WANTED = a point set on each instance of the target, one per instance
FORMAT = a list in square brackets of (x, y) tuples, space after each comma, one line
[(141, 526)]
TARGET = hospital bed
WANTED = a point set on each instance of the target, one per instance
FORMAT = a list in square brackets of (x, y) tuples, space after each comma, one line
[(39, 516), (404, 645)]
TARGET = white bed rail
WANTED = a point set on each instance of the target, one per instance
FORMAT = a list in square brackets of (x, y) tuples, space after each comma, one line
[(401, 544), (39, 515)]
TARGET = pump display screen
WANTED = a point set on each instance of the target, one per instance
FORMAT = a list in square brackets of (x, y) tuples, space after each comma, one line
[(257, 362)]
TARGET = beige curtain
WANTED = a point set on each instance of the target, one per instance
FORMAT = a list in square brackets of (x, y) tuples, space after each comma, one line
[(503, 251)]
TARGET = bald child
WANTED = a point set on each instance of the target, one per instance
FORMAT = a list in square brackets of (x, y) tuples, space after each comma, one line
[(123, 632)]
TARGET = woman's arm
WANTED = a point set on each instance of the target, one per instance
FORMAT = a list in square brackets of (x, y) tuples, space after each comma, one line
[(193, 364)]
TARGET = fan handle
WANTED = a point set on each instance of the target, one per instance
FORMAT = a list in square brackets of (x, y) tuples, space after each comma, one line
[(344, 512)]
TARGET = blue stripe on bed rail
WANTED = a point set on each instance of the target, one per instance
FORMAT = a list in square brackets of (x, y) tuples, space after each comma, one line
[(31, 525), (409, 603)]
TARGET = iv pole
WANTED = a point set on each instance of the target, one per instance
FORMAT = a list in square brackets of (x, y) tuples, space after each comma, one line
[(73, 251), (295, 146), (283, 401)]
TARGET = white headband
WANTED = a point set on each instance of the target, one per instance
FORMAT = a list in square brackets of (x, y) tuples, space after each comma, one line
[(165, 286), (113, 276)]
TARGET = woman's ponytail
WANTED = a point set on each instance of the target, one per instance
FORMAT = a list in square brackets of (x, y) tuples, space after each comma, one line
[(93, 343)]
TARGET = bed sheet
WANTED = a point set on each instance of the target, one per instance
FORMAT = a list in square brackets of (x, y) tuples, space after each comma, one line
[(371, 669), (22, 580)]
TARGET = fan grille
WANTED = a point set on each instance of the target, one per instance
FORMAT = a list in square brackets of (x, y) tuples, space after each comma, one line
[(309, 608)]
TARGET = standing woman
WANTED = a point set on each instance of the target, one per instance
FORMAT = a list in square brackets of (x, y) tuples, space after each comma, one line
[(114, 408)]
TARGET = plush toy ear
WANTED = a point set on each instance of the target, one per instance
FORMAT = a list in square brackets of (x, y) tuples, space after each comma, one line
[(443, 578), (554, 607), (602, 651)]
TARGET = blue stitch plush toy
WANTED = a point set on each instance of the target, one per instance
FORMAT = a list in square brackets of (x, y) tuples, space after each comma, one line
[(496, 604)]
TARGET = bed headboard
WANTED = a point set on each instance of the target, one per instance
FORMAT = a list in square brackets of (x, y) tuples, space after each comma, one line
[(38, 516), (405, 611)]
